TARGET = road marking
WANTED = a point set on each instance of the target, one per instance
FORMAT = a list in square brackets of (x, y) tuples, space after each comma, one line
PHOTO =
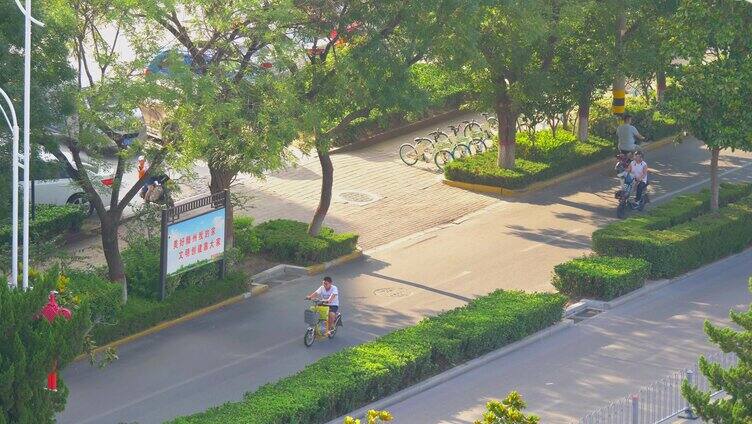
[(552, 238), (693, 185)]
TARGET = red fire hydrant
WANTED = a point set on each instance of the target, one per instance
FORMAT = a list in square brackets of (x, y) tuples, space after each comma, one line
[(50, 311)]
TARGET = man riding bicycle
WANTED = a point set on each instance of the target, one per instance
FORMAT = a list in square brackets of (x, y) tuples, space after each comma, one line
[(626, 133), (329, 294)]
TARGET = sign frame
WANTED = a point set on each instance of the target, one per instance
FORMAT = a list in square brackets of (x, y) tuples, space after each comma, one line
[(172, 216)]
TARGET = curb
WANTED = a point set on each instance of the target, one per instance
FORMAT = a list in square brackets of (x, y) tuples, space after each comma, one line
[(537, 186), (455, 372), (319, 268), (256, 290)]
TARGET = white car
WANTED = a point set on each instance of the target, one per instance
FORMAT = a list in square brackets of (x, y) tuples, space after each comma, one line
[(63, 189)]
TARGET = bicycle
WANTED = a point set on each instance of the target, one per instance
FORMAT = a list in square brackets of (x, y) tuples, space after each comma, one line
[(491, 121), (421, 148), (453, 149), (316, 316)]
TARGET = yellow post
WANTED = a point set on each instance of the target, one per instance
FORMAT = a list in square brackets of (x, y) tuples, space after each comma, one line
[(619, 101)]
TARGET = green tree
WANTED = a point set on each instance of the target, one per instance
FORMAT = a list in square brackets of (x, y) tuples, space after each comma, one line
[(106, 93), (229, 97), (29, 345), (506, 49), (357, 58), (584, 58), (508, 411), (735, 381), (714, 85)]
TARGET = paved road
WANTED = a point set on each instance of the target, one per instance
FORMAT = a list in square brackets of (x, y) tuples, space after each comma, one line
[(510, 244), (598, 360)]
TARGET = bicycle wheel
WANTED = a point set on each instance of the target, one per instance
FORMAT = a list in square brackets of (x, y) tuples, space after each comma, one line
[(440, 136), (408, 154), (461, 150), (621, 210), (309, 337), (471, 129), (492, 122), (644, 201), (442, 157), (424, 146), (477, 146)]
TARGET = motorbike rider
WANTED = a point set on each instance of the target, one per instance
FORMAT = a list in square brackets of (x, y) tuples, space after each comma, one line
[(638, 169), (627, 133)]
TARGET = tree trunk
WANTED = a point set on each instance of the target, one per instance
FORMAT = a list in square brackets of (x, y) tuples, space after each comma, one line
[(221, 179), (327, 181), (507, 134), (714, 178), (660, 85), (583, 117), (111, 248)]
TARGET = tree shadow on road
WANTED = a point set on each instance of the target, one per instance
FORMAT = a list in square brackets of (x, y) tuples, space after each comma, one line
[(552, 237)]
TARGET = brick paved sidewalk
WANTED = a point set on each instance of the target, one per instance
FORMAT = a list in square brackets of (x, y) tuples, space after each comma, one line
[(375, 194)]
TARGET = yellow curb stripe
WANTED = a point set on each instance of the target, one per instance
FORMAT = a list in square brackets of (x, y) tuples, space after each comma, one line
[(481, 188), (256, 290), (319, 268)]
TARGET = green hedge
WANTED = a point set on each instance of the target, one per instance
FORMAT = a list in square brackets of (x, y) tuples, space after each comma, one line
[(140, 313), (682, 235), (49, 222), (355, 376), (247, 239), (288, 241), (600, 277), (542, 158)]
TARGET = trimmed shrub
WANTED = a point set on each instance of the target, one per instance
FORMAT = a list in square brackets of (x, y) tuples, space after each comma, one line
[(140, 313), (361, 374), (247, 238), (542, 158), (49, 222), (104, 298), (142, 264), (288, 241), (600, 277), (682, 235)]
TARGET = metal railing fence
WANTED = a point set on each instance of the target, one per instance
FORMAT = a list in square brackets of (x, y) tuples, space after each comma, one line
[(660, 402)]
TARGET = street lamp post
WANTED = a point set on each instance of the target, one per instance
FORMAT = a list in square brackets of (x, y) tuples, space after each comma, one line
[(12, 122), (26, 165)]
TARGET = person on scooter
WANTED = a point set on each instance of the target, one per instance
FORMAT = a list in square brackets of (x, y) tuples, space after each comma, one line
[(329, 294), (627, 133), (638, 169)]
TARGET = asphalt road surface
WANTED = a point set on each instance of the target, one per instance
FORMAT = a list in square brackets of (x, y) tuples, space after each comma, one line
[(512, 244), (601, 359)]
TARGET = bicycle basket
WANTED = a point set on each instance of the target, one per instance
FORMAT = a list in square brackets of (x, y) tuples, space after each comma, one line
[(311, 317)]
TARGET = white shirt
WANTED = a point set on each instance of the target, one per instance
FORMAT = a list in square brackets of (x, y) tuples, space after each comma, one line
[(325, 294), (639, 170)]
